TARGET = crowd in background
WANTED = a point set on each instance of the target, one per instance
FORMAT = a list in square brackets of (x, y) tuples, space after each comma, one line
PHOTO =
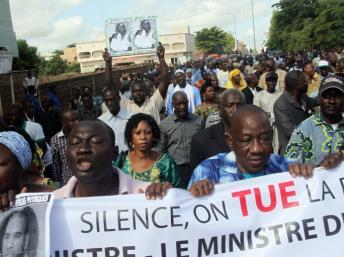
[(189, 126)]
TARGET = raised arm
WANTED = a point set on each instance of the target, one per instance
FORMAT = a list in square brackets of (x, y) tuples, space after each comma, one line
[(160, 51), (108, 69)]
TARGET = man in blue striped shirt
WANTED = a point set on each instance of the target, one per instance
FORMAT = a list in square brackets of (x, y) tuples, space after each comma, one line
[(250, 139)]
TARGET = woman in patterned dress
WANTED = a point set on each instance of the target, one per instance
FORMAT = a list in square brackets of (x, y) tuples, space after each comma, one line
[(141, 162)]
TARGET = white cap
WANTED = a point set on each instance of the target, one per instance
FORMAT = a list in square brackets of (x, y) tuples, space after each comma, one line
[(179, 71), (323, 63)]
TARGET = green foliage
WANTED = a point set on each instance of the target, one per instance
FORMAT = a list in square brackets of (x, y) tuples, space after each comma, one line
[(28, 58), (230, 44), (214, 40), (74, 67), (54, 66), (306, 24), (58, 52)]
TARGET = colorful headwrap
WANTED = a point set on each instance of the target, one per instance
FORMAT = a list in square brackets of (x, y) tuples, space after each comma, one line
[(232, 74), (18, 146)]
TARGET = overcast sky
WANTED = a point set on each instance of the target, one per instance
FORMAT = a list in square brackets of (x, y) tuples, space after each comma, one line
[(54, 24)]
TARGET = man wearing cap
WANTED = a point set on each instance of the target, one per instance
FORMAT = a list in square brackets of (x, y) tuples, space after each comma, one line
[(324, 69), (189, 76), (322, 133), (193, 94)]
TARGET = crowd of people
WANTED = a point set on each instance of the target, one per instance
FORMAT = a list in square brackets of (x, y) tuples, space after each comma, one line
[(191, 126)]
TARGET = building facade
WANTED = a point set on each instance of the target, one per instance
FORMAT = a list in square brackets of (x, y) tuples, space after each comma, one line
[(8, 38), (69, 55), (179, 47), (90, 56)]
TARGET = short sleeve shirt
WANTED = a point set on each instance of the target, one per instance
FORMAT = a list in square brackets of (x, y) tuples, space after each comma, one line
[(151, 106)]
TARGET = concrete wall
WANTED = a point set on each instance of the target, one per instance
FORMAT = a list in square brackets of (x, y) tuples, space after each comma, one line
[(64, 84)]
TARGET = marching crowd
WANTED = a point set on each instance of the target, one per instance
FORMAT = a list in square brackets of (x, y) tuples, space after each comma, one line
[(190, 127)]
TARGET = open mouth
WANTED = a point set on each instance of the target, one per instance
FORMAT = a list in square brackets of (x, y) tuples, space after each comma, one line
[(84, 165)]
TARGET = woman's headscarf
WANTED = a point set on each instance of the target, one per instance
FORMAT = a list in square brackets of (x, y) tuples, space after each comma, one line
[(17, 144), (232, 74)]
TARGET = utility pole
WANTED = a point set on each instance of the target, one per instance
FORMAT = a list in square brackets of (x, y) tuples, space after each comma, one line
[(254, 29), (235, 27)]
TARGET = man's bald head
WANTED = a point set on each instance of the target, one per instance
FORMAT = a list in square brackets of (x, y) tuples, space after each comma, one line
[(252, 80), (250, 111), (180, 104), (179, 95), (234, 92), (231, 100), (250, 138)]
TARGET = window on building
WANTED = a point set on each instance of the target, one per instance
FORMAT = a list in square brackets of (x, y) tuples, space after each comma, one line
[(84, 55), (174, 60), (97, 53), (167, 46), (178, 46)]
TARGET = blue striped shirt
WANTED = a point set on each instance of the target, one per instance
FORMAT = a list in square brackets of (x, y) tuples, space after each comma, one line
[(222, 168)]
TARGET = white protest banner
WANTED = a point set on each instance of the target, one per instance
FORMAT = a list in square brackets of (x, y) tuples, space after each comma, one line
[(23, 228), (270, 216)]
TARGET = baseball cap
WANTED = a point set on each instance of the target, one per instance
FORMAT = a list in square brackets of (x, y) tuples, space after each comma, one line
[(331, 81), (323, 63)]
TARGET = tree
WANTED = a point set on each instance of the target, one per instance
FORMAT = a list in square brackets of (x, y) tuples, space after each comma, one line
[(54, 66), (214, 40), (28, 58), (230, 44), (306, 24), (58, 52), (74, 67)]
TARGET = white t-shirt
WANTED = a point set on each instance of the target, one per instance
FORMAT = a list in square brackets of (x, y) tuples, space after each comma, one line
[(35, 131), (118, 125), (30, 82)]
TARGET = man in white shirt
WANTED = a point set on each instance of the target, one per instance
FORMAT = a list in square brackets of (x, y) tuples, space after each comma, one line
[(30, 81), (193, 94), (222, 75), (115, 117), (266, 99), (140, 104)]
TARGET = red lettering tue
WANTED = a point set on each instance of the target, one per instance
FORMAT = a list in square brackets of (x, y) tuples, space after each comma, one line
[(286, 190)]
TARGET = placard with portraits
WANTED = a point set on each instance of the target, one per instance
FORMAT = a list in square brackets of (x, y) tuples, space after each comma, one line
[(130, 36)]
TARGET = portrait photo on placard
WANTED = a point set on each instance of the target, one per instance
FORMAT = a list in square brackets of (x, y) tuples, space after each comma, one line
[(119, 37), (22, 232), (145, 34)]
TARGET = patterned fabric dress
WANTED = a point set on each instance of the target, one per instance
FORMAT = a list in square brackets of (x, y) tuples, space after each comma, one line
[(163, 170), (204, 110)]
